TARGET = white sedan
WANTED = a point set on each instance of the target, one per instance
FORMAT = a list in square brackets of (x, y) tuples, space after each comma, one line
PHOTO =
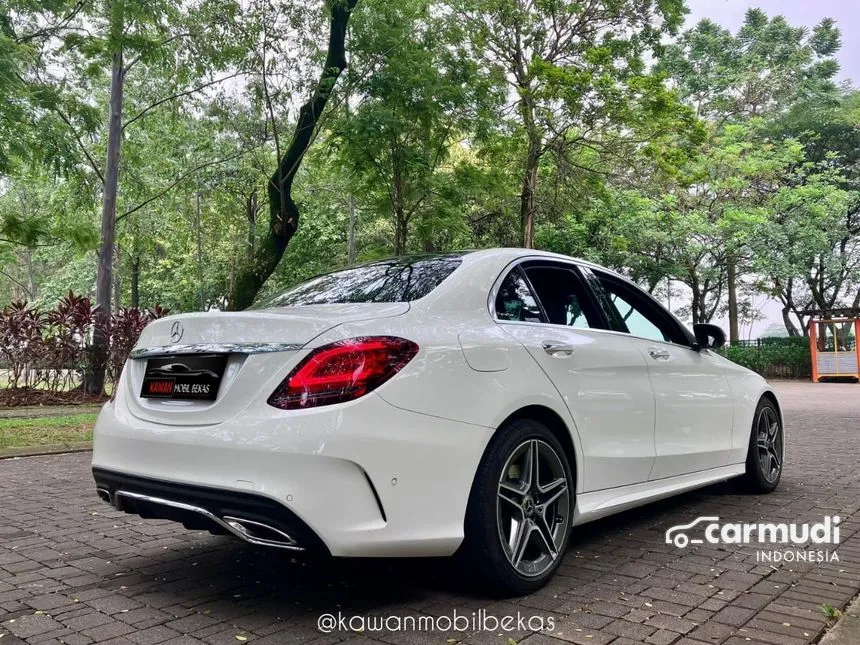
[(480, 402)]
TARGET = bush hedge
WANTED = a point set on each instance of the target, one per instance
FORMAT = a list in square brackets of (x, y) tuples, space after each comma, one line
[(773, 357)]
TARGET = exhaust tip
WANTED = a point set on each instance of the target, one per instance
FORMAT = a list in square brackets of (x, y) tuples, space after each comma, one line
[(259, 533), (104, 494)]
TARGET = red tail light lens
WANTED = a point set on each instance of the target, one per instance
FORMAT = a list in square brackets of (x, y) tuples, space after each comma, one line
[(343, 371)]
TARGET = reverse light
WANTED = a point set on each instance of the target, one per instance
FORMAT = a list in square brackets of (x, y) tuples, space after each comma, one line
[(343, 371)]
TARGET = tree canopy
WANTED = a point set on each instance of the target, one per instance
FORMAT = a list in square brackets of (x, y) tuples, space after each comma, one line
[(198, 155)]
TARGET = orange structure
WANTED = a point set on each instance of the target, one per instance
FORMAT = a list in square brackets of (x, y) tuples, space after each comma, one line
[(833, 335)]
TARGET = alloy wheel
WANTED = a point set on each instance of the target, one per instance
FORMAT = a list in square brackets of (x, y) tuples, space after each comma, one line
[(533, 507), (769, 444)]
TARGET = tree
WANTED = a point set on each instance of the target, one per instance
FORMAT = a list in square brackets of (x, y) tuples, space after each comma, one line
[(573, 68), (407, 118), (810, 251), (283, 210), (763, 69)]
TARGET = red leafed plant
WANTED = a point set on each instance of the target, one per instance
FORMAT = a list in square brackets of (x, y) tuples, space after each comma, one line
[(50, 350), (126, 326), (69, 334), (21, 343)]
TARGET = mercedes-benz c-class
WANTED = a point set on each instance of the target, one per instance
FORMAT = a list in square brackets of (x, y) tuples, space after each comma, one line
[(478, 403)]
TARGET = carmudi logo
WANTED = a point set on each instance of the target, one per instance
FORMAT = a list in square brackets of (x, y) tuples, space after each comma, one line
[(709, 530)]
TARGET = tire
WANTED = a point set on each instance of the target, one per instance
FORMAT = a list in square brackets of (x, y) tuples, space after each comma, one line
[(542, 507), (767, 443)]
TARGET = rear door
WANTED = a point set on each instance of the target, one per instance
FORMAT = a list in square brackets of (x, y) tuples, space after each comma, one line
[(694, 404), (603, 378)]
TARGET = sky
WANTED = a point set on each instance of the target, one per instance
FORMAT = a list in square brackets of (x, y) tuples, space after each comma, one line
[(846, 13)]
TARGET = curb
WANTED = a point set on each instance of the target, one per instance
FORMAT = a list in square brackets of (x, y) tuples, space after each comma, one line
[(847, 629), (49, 449)]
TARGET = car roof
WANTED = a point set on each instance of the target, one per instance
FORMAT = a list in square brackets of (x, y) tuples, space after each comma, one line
[(509, 254)]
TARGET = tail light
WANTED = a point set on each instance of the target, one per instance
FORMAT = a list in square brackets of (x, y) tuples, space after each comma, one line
[(343, 371)]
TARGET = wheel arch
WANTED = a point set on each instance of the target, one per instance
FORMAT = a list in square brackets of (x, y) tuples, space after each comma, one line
[(771, 396), (552, 420)]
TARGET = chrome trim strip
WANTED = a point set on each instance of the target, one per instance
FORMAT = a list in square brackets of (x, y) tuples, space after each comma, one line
[(215, 348), (241, 534)]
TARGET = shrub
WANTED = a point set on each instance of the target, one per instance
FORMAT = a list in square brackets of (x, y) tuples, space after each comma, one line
[(21, 344), (126, 326), (51, 349), (773, 357)]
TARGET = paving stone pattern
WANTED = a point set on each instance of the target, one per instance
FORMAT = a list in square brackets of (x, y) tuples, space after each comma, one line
[(72, 570)]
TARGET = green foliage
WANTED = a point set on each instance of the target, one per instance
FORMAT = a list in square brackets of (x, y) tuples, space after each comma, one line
[(773, 357), (667, 156)]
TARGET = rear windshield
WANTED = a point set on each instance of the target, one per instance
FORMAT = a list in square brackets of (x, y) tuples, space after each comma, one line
[(396, 280)]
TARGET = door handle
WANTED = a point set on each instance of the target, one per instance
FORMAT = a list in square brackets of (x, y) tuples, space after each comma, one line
[(658, 354), (555, 348)]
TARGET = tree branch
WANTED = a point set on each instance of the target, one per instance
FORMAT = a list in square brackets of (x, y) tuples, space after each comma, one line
[(81, 145), (179, 180), (166, 99), (164, 42)]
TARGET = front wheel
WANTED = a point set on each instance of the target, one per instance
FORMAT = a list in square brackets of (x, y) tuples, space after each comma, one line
[(766, 449), (520, 509)]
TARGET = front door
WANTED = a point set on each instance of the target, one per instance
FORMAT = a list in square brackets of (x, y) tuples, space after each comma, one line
[(693, 401)]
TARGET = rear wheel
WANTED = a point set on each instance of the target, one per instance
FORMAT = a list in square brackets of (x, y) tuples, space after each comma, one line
[(766, 449), (520, 509)]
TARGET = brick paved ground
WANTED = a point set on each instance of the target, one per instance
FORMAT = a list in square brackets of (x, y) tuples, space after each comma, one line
[(73, 570)]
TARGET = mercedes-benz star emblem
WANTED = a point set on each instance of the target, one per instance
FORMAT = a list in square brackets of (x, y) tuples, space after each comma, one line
[(176, 331)]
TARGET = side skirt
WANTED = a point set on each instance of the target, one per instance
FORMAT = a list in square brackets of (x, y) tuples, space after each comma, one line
[(597, 504)]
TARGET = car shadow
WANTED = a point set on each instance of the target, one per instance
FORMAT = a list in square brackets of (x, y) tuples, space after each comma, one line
[(276, 583)]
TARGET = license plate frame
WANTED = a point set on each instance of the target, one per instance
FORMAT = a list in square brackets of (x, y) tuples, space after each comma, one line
[(183, 377)]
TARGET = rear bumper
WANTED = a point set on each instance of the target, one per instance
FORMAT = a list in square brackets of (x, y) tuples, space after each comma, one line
[(358, 479), (253, 518)]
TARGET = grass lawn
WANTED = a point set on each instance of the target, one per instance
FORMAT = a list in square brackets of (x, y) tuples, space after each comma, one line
[(16, 433)]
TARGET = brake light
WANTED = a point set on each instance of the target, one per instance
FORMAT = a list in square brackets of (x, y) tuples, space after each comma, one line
[(343, 371)]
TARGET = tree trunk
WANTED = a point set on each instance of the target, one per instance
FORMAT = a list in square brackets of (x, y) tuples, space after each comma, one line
[(696, 305), (401, 224), (786, 319), (135, 282), (283, 211), (94, 382), (117, 279), (528, 196), (401, 230), (31, 276), (200, 294), (731, 278), (350, 236)]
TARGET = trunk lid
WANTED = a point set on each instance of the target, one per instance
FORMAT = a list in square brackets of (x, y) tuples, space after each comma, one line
[(261, 345)]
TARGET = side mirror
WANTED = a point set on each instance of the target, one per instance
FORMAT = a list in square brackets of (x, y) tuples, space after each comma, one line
[(709, 336)]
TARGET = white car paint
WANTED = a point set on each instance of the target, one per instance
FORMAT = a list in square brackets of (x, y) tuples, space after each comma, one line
[(641, 429)]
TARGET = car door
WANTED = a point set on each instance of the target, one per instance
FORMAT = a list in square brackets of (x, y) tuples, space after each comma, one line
[(603, 378), (694, 408)]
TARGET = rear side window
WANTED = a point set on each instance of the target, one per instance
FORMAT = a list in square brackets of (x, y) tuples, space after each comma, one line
[(563, 297), (515, 300), (397, 280)]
